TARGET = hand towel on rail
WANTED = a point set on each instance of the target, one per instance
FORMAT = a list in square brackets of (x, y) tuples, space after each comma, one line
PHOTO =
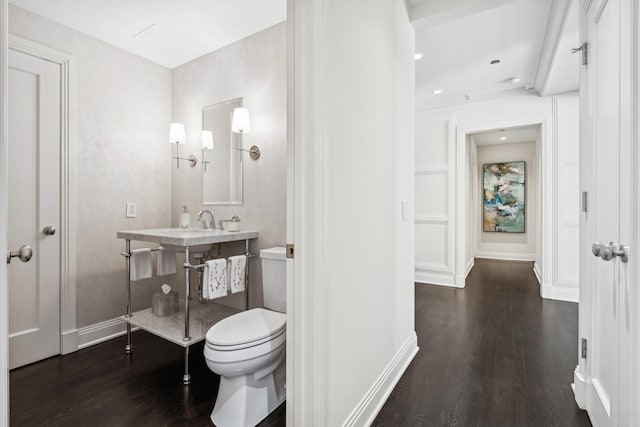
[(141, 267), (237, 272), (215, 279), (166, 262)]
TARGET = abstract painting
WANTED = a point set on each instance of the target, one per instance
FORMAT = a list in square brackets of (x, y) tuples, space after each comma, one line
[(504, 197)]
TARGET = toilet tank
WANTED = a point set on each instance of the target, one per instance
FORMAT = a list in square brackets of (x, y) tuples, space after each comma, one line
[(274, 278)]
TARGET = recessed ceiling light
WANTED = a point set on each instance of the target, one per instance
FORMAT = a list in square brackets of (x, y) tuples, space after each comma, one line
[(494, 62), (417, 56), (503, 138), (514, 80), (437, 92)]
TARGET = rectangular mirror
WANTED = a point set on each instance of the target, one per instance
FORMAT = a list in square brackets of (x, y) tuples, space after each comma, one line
[(222, 175)]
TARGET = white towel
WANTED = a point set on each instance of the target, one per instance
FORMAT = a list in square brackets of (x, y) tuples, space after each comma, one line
[(166, 262), (141, 267), (215, 279), (237, 271)]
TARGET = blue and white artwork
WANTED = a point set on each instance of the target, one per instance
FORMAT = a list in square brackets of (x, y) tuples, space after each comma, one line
[(504, 197)]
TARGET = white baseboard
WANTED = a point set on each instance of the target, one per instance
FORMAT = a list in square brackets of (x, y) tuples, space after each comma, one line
[(370, 405), (599, 403), (435, 278), (101, 332), (579, 387), (537, 272), (470, 265), (69, 342), (559, 293), (505, 256)]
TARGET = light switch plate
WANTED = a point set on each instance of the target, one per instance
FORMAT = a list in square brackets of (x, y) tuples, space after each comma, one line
[(131, 210)]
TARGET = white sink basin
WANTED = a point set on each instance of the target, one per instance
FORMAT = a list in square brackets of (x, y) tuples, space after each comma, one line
[(196, 239)]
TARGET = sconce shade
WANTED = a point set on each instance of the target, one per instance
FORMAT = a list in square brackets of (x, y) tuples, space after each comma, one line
[(241, 122), (177, 134), (207, 140)]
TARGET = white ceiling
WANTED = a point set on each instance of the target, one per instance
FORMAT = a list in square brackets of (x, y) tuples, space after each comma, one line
[(513, 135), (564, 71), (457, 52), (168, 32)]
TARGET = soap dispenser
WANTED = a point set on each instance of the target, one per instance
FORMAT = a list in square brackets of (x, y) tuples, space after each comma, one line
[(185, 218)]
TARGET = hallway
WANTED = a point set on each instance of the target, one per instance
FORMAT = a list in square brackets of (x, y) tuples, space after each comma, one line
[(492, 354)]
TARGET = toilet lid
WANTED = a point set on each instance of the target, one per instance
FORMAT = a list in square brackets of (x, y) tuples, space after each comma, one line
[(246, 327)]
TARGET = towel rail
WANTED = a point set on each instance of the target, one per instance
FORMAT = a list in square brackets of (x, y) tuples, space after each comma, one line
[(129, 252), (199, 266)]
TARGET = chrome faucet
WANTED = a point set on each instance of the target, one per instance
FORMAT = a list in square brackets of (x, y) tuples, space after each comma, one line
[(212, 223)]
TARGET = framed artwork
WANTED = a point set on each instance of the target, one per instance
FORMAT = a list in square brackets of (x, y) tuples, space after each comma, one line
[(503, 200)]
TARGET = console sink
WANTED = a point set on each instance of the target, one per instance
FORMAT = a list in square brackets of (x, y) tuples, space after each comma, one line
[(177, 239)]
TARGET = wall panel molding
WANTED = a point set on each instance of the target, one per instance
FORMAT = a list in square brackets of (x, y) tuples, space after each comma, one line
[(435, 157)]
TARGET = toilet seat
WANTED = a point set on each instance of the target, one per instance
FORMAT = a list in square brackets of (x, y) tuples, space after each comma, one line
[(246, 354), (246, 329)]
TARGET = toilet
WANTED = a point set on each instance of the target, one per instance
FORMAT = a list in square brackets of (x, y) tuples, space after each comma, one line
[(247, 350)]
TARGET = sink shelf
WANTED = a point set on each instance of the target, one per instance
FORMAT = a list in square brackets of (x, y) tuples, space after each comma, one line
[(171, 328)]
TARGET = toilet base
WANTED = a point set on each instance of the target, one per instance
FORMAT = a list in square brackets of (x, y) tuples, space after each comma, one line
[(244, 401)]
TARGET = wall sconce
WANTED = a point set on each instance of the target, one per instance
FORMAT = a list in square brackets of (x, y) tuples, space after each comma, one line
[(207, 144), (178, 136), (241, 123)]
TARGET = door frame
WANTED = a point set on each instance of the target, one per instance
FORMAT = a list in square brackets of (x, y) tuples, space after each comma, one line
[(4, 177), (545, 147), (68, 96)]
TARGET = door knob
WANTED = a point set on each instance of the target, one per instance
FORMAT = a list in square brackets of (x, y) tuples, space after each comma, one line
[(610, 251), (606, 253), (24, 253), (49, 230), (596, 248)]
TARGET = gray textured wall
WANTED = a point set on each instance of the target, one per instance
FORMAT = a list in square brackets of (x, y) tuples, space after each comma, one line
[(255, 69), (123, 112)]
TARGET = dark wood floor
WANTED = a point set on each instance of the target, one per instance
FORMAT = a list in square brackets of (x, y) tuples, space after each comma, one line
[(492, 354), (102, 386)]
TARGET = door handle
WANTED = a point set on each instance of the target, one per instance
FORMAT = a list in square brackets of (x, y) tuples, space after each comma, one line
[(49, 230), (24, 253), (620, 251), (610, 251)]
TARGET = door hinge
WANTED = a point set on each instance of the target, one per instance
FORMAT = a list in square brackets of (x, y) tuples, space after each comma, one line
[(584, 49), (583, 353), (290, 251), (584, 205)]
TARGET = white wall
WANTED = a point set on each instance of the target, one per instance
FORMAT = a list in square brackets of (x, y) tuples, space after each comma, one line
[(253, 68), (354, 145), (567, 212), (123, 111), (472, 201), (510, 246), (441, 148)]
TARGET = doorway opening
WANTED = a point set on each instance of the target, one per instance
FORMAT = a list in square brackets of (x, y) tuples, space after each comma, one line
[(503, 195)]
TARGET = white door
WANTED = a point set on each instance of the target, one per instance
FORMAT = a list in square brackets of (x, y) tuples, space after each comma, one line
[(34, 207), (608, 221)]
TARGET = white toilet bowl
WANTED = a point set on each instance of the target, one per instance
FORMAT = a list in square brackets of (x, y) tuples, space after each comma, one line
[(247, 351)]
